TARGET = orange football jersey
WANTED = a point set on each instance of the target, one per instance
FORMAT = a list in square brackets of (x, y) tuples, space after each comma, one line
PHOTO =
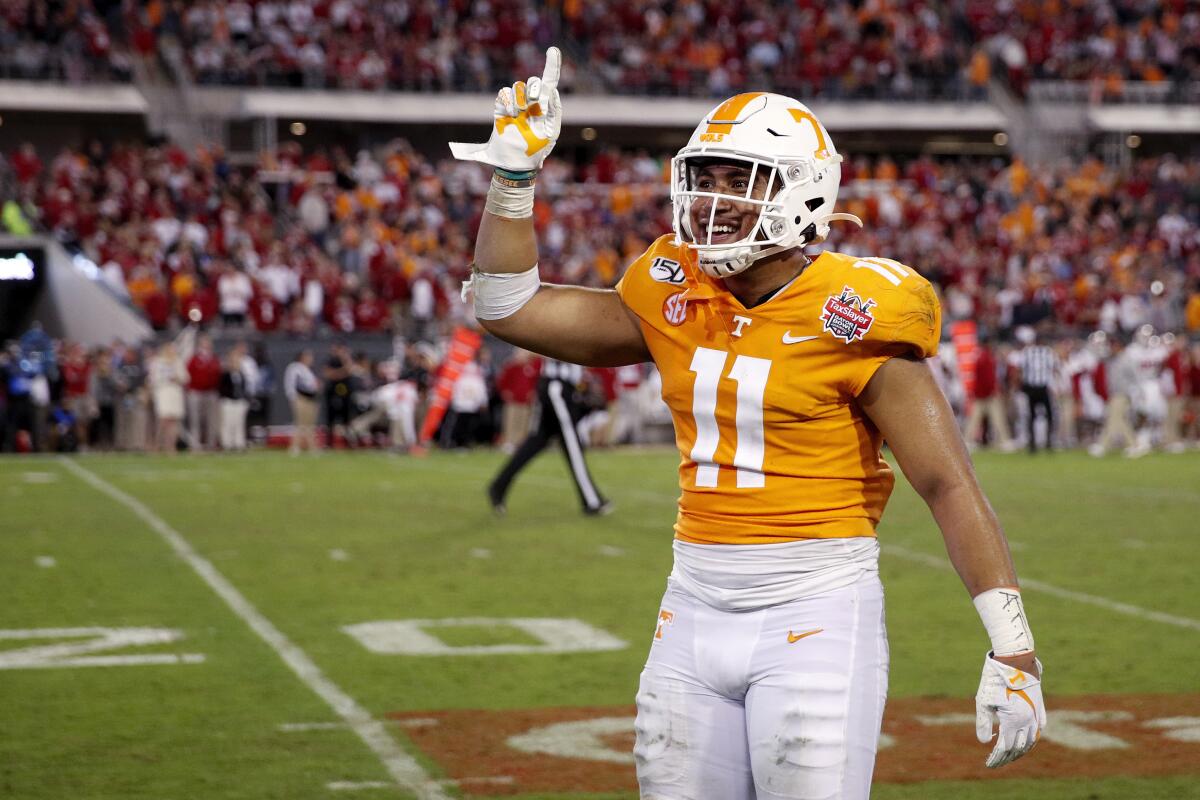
[(773, 446)]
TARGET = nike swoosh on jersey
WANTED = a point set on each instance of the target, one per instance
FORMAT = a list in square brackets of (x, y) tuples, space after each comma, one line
[(789, 339), (795, 637)]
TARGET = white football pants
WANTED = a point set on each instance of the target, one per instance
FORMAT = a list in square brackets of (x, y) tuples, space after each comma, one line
[(782, 703)]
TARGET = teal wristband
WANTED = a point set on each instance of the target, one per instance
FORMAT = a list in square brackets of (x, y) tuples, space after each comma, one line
[(512, 175)]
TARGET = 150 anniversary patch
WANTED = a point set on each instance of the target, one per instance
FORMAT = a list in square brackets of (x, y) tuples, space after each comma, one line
[(664, 270), (847, 316)]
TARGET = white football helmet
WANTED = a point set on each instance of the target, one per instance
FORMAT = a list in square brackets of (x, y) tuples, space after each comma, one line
[(772, 135), (1144, 334)]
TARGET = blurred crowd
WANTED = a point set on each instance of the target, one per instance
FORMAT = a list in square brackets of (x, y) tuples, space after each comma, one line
[(838, 50), (1101, 42), (181, 393), (355, 44), (74, 42), (1106, 392), (893, 49), (328, 243), (313, 242)]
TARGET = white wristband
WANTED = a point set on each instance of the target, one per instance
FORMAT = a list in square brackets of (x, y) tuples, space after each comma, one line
[(1003, 616), (514, 202), (501, 295)]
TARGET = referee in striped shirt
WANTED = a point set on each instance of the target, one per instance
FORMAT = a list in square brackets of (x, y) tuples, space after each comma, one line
[(561, 410), (1038, 365)]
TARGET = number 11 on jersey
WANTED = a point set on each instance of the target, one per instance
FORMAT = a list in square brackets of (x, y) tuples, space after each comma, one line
[(750, 374)]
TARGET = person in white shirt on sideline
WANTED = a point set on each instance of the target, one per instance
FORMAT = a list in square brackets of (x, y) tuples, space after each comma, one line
[(234, 392), (301, 385)]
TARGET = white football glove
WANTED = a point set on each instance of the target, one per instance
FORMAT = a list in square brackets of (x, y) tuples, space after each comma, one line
[(528, 120), (1011, 698)]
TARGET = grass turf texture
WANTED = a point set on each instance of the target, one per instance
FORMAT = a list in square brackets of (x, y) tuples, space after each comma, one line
[(417, 541)]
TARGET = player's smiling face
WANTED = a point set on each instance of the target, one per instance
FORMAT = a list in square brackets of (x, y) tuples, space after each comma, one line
[(733, 220)]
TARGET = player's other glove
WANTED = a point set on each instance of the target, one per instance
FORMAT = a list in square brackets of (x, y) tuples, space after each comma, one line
[(1011, 698), (528, 120)]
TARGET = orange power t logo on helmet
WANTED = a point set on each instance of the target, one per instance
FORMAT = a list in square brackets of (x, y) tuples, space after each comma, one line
[(728, 112), (800, 115)]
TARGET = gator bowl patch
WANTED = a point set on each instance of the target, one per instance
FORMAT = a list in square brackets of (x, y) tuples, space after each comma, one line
[(847, 316)]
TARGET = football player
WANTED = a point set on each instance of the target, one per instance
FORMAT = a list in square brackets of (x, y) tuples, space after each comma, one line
[(768, 665)]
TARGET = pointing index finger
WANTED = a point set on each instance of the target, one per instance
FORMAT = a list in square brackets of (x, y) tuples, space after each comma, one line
[(553, 69)]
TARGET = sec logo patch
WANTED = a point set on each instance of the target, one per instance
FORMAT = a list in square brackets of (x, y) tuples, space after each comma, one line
[(675, 309)]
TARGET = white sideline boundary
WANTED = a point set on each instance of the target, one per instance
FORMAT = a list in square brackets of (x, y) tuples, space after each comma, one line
[(403, 769)]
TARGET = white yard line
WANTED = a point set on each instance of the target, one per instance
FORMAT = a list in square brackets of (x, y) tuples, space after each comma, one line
[(403, 768), (941, 562)]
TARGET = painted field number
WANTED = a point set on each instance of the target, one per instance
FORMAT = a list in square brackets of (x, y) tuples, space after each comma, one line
[(1066, 727), (585, 738), (412, 637), (86, 647)]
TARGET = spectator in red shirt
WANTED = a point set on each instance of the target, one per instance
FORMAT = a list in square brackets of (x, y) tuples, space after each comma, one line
[(77, 399), (200, 307), (370, 313), (988, 402), (393, 285), (26, 164), (341, 315), (1175, 365), (204, 378), (517, 384), (265, 311), (603, 391)]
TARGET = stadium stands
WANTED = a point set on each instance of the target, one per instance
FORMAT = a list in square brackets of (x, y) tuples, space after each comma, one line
[(334, 244), (894, 51), (335, 241), (71, 42), (1106, 45)]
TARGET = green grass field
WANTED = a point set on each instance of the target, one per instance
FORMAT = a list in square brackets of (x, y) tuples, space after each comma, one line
[(240, 574)]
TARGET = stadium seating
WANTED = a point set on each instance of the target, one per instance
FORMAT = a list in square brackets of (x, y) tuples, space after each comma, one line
[(72, 42), (895, 51), (338, 242), (1105, 44)]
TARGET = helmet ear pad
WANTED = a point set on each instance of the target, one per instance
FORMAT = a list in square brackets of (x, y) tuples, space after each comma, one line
[(799, 206)]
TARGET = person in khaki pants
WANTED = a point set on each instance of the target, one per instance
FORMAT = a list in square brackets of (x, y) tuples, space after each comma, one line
[(1121, 378), (988, 403), (301, 386), (517, 384)]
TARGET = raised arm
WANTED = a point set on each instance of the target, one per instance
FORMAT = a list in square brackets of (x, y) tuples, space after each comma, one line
[(904, 401), (584, 326)]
